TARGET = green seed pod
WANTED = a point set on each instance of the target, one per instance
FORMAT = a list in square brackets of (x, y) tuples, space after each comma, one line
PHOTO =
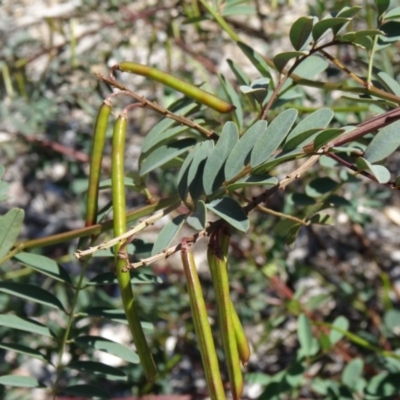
[(241, 339), (124, 280), (186, 88), (202, 326), (96, 156), (218, 264)]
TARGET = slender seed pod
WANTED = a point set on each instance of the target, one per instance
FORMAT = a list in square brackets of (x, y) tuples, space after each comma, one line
[(218, 264), (241, 339), (186, 88), (124, 281), (202, 326), (96, 156)]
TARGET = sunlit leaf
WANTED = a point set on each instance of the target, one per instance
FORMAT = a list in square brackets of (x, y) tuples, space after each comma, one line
[(253, 180), (213, 174), (390, 84), (44, 265), (384, 143), (380, 172), (20, 381), (342, 323), (304, 333), (168, 233), (10, 226), (393, 14), (300, 32), (240, 155), (353, 372), (230, 211), (270, 140), (24, 324), (310, 67), (32, 293), (164, 154)]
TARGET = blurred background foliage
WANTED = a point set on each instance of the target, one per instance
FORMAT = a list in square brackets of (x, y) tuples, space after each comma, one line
[(345, 274)]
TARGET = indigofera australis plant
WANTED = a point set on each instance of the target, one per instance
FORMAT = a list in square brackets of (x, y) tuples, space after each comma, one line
[(218, 169)]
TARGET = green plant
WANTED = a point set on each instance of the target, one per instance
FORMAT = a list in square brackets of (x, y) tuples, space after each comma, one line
[(219, 162)]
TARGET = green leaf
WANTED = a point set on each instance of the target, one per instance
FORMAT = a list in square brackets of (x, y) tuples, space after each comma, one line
[(253, 180), (305, 335), (392, 14), (281, 59), (137, 278), (108, 346), (19, 348), (111, 314), (182, 181), (230, 211), (97, 368), (10, 226), (380, 172), (320, 186), (44, 265), (300, 32), (270, 140), (345, 12), (391, 32), (382, 6), (391, 85), (310, 67), (383, 386), (326, 136), (238, 10), (163, 154), (168, 233), (341, 323), (164, 129), (20, 381), (321, 27), (87, 391), (239, 73), (198, 219), (213, 174), (240, 155), (24, 324), (195, 174), (352, 372), (384, 143), (311, 124), (32, 293), (233, 98), (257, 60)]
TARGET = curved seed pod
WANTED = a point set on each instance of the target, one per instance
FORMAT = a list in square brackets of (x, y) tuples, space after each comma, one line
[(178, 84), (218, 264), (96, 156), (124, 281), (241, 339), (202, 326)]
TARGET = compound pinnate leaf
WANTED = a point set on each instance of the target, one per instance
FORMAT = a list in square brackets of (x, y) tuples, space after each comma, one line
[(167, 234), (300, 32), (274, 135), (213, 170), (164, 154), (380, 172), (87, 391), (240, 155), (108, 346), (44, 265), (24, 324), (230, 211), (385, 142), (281, 59), (10, 226), (32, 293), (20, 381)]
